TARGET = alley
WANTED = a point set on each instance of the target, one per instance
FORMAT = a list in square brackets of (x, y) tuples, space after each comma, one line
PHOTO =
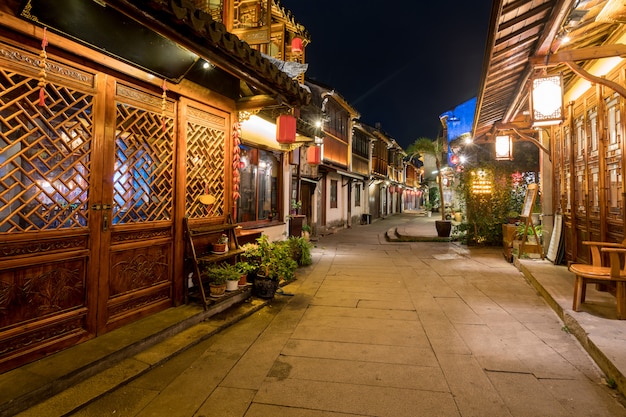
[(374, 328)]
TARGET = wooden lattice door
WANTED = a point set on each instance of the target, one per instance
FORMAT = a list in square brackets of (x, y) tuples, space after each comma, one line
[(137, 209), (46, 165)]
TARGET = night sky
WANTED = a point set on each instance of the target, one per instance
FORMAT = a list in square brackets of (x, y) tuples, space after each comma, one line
[(398, 63)]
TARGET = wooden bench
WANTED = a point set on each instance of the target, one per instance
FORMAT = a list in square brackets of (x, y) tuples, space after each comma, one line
[(198, 250), (598, 273)]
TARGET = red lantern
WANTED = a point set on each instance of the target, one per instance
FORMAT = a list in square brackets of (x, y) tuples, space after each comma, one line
[(314, 155), (296, 45), (286, 129)]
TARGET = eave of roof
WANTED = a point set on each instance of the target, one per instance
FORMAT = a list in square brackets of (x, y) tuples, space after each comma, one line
[(195, 30), (518, 30)]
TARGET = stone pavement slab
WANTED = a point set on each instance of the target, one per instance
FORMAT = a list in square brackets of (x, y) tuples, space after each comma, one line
[(379, 328)]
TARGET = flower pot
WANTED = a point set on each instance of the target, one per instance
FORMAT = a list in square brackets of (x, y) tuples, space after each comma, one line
[(243, 280), (232, 285), (444, 227), (219, 247), (217, 290), (265, 287)]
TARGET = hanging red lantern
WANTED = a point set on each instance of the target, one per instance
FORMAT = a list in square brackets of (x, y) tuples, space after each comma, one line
[(314, 155), (286, 129), (296, 45)]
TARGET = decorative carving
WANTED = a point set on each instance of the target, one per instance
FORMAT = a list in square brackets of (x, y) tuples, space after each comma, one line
[(42, 246), (244, 115), (141, 235), (45, 334), (137, 303), (143, 270), (206, 117), (155, 102), (32, 62), (39, 291)]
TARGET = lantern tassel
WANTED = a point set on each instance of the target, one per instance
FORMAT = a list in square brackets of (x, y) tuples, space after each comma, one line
[(42, 66), (163, 104)]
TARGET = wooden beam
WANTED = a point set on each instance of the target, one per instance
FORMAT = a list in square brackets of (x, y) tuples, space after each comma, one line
[(256, 102), (595, 52), (598, 80)]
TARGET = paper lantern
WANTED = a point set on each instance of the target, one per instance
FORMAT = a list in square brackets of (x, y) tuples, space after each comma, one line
[(504, 148), (314, 155), (546, 100), (296, 45), (285, 129)]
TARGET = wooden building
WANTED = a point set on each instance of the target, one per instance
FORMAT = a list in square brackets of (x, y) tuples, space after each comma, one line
[(336, 207), (580, 132), (115, 118)]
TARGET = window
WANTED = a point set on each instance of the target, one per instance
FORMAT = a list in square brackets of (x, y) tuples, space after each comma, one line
[(357, 195), (258, 188), (333, 193)]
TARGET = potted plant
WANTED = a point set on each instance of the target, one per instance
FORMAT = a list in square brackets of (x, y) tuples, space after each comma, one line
[(296, 205), (217, 280), (221, 246), (232, 276), (306, 232), (513, 216), (244, 268), (300, 250), (435, 148), (428, 206), (275, 263)]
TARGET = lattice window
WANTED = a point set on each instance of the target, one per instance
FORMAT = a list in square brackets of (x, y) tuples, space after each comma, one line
[(613, 121), (592, 130), (212, 7), (45, 155), (205, 170), (143, 181), (250, 13)]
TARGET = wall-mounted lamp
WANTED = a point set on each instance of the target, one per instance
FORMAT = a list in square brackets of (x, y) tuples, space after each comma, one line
[(546, 100), (504, 148)]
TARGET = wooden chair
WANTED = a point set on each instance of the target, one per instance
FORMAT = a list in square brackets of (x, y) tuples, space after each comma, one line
[(597, 273)]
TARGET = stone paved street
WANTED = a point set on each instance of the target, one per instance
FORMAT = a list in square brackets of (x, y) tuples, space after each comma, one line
[(375, 328)]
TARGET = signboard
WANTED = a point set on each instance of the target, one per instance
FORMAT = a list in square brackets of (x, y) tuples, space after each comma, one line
[(555, 240), (529, 201)]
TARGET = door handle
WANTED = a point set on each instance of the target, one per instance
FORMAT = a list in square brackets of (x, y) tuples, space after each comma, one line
[(105, 222)]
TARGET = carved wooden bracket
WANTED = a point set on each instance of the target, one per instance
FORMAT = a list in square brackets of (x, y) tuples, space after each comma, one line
[(594, 79), (569, 57)]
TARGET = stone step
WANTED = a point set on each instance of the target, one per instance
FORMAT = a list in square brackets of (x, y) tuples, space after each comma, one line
[(70, 379)]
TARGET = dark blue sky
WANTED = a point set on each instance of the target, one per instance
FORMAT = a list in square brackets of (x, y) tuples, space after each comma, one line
[(398, 63)]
